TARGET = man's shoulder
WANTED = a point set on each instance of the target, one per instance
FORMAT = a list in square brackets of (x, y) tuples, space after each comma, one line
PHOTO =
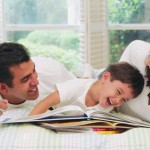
[(42, 61), (48, 67)]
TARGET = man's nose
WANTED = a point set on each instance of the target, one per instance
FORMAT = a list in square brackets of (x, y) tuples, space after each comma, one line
[(34, 80)]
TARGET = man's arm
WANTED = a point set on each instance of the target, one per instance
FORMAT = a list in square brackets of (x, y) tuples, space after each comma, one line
[(45, 104)]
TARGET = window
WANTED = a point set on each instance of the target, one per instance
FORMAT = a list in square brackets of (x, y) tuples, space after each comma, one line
[(128, 20), (71, 31), (48, 28), (75, 31)]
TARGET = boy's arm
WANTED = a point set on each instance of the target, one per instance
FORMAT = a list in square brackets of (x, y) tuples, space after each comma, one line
[(45, 104)]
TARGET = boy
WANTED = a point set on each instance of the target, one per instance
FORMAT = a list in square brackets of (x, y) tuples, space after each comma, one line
[(117, 84)]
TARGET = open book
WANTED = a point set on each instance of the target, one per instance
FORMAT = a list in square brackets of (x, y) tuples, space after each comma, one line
[(73, 116)]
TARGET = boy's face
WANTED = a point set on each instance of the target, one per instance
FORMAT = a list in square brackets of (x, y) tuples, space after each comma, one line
[(114, 93), (24, 83)]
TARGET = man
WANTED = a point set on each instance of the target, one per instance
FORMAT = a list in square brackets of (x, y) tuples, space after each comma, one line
[(24, 81)]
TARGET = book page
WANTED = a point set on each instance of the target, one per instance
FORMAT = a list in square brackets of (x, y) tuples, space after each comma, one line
[(14, 114), (66, 112), (130, 118), (118, 117), (85, 124), (75, 123)]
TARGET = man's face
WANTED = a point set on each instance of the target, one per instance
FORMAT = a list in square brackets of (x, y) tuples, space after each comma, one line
[(114, 93), (24, 82)]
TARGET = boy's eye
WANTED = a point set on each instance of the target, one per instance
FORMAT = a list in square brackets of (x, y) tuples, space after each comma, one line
[(118, 92), (124, 100)]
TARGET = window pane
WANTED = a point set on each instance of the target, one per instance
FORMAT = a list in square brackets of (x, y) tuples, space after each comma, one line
[(40, 11), (60, 45), (128, 11), (120, 39)]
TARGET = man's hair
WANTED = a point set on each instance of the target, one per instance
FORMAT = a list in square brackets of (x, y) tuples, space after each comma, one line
[(128, 74), (11, 54)]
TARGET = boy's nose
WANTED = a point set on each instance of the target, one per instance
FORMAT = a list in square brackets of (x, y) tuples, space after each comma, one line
[(118, 101)]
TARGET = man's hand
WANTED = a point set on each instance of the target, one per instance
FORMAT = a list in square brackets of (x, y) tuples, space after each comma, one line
[(3, 105)]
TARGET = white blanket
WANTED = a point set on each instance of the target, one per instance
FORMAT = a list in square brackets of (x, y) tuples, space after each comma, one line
[(32, 137)]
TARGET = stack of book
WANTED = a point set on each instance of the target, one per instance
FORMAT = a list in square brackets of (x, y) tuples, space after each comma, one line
[(73, 118)]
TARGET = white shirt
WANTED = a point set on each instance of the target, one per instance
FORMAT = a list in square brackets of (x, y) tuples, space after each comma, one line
[(74, 92), (135, 54), (49, 72)]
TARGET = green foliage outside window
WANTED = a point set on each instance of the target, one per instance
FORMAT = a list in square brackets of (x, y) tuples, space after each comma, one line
[(64, 45), (124, 12), (60, 45)]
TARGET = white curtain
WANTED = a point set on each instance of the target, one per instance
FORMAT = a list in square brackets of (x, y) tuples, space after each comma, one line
[(94, 36)]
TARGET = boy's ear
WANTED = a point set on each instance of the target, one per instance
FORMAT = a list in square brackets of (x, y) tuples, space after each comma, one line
[(106, 75), (3, 88)]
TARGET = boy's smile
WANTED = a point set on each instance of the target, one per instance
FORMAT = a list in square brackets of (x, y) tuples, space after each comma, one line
[(114, 93), (109, 93)]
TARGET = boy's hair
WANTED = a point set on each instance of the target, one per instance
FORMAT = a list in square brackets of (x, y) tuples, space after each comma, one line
[(11, 54), (126, 73)]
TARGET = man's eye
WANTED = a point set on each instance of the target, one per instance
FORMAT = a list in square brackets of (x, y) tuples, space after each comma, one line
[(25, 80)]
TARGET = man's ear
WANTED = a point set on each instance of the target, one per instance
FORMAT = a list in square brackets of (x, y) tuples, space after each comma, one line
[(106, 75), (3, 88)]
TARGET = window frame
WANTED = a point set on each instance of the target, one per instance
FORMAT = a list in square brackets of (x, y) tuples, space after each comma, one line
[(85, 28)]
